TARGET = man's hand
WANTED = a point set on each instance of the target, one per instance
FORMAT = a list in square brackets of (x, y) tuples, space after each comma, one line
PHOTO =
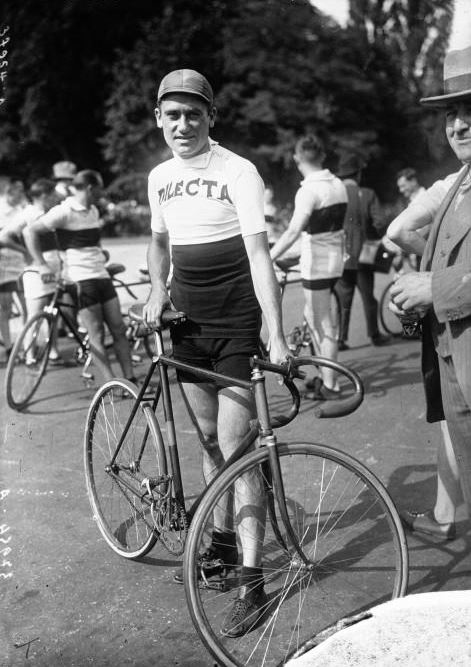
[(279, 350), (413, 291), (46, 273), (157, 302)]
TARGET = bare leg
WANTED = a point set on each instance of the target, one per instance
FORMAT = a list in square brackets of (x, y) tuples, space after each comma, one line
[(92, 318), (222, 418), (449, 494), (35, 306), (114, 320), (5, 311), (318, 314)]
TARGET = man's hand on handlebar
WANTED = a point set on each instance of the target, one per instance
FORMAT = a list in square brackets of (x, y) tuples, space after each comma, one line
[(157, 302)]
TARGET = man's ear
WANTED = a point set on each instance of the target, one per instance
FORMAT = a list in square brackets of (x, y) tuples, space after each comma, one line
[(212, 116), (158, 117)]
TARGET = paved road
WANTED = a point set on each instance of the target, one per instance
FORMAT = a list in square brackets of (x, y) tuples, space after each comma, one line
[(68, 600)]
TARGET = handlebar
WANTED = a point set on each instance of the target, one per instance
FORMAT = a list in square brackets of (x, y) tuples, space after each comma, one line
[(290, 370), (167, 318), (340, 407)]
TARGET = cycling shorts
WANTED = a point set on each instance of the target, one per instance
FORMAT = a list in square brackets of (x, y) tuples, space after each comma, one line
[(228, 356), (93, 291)]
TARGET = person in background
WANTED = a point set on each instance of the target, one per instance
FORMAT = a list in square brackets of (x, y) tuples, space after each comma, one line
[(440, 293), (77, 225), (319, 212), (363, 221), (207, 217), (63, 173), (270, 211), (12, 202), (408, 184), (37, 292)]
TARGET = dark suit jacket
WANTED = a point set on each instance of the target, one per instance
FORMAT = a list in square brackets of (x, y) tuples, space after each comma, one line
[(451, 289), (363, 220)]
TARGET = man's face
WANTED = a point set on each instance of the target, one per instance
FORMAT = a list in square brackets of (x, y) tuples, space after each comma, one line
[(458, 129), (185, 121), (407, 186)]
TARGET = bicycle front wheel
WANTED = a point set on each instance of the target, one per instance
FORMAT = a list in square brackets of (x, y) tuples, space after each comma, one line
[(124, 490), (28, 360), (389, 321), (346, 526)]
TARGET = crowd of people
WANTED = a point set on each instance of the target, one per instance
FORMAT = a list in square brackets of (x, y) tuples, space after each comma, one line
[(209, 211), (52, 233)]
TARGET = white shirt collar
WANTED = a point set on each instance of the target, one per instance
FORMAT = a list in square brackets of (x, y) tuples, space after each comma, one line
[(200, 161), (322, 175)]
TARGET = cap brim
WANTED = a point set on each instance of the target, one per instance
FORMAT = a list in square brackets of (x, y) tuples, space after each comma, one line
[(441, 101), (184, 91)]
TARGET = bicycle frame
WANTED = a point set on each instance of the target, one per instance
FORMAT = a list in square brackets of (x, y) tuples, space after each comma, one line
[(163, 362)]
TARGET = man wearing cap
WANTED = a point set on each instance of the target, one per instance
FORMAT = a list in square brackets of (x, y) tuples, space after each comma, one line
[(207, 205), (441, 291), (362, 221), (63, 173)]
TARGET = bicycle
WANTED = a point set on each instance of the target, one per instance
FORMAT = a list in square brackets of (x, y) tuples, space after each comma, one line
[(333, 543), (30, 354)]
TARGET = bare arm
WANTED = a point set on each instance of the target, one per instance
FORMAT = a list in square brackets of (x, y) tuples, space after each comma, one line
[(8, 240), (31, 235), (409, 230), (268, 293), (158, 262), (292, 233)]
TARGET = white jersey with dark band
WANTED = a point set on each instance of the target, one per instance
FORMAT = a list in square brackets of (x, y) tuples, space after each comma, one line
[(206, 204)]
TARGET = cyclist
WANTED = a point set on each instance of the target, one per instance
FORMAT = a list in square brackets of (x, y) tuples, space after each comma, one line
[(207, 202), (36, 291), (77, 225), (11, 255), (319, 212)]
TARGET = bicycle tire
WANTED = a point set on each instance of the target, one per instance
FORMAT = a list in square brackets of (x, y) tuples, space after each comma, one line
[(389, 321), (349, 529), (117, 493), (28, 360)]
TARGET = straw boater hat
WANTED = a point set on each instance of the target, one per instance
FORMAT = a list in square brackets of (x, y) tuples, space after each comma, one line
[(456, 79)]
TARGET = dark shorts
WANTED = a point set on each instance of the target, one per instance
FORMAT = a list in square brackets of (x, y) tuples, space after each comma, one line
[(228, 356), (323, 283), (11, 286), (87, 293)]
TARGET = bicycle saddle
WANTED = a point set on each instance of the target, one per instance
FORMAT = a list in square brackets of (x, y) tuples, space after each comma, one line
[(114, 268), (286, 263)]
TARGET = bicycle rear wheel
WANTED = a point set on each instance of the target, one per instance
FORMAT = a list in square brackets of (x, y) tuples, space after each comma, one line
[(28, 360), (347, 527), (389, 321), (123, 493)]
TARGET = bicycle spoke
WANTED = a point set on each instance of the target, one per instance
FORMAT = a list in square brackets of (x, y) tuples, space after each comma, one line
[(349, 533)]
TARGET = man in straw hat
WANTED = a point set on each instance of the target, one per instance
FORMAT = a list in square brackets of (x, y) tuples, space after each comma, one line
[(207, 205), (441, 292)]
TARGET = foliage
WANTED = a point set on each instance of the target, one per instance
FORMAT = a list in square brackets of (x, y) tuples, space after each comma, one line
[(82, 79)]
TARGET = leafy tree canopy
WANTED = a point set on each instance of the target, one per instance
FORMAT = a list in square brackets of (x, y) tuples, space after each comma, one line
[(83, 75)]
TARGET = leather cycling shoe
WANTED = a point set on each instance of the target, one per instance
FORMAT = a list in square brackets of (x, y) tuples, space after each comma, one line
[(245, 612), (425, 523), (214, 562)]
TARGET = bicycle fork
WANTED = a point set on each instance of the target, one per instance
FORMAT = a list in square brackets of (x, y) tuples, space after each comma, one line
[(268, 439)]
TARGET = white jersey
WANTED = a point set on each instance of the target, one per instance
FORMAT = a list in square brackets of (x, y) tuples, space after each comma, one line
[(211, 197), (11, 261), (323, 198)]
